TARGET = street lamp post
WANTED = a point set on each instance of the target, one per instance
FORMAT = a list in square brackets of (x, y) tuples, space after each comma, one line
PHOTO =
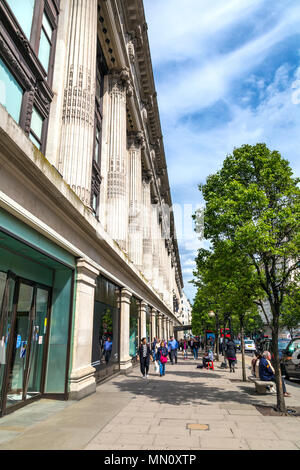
[(212, 314)]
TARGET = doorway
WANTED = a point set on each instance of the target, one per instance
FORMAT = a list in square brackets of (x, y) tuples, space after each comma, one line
[(24, 325)]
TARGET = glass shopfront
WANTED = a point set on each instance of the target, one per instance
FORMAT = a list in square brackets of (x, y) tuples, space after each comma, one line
[(134, 327), (35, 316), (106, 331)]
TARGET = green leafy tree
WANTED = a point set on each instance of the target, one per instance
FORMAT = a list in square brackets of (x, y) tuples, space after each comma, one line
[(227, 281), (253, 207)]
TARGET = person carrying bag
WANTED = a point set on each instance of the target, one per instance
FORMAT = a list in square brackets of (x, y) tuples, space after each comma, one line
[(162, 357)]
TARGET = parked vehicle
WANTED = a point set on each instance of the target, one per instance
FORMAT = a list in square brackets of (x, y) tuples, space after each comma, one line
[(267, 345), (249, 345), (290, 361), (237, 344)]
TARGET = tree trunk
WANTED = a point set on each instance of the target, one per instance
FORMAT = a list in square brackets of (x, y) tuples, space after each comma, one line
[(224, 355), (278, 378), (243, 350), (217, 337)]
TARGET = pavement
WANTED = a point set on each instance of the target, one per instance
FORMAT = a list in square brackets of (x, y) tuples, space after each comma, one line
[(187, 409)]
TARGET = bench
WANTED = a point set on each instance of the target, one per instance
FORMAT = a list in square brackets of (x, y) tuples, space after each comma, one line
[(261, 386)]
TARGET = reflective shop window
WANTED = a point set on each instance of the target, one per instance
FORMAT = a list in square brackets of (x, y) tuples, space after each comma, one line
[(11, 93), (134, 327), (45, 42), (23, 11), (36, 128), (106, 324)]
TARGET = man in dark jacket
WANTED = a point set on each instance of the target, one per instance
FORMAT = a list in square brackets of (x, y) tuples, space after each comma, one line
[(144, 355), (266, 371), (230, 351)]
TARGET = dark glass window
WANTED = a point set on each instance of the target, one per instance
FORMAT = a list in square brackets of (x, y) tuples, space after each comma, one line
[(36, 128), (23, 11), (11, 93), (134, 327), (45, 42), (96, 171), (106, 329)]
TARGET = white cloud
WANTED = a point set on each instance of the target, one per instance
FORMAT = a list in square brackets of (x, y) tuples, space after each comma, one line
[(194, 72)]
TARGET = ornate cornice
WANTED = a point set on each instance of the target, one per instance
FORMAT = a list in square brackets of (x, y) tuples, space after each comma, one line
[(11, 60)]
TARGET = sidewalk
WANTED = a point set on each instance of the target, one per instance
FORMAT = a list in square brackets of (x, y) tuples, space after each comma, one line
[(129, 412)]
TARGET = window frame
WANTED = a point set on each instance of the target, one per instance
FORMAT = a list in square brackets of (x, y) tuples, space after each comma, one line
[(20, 55), (102, 70)]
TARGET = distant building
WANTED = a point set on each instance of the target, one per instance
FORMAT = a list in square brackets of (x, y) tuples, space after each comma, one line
[(184, 313)]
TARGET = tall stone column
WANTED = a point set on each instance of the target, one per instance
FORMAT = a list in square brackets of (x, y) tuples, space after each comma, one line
[(135, 238), (156, 248), (82, 380), (171, 328), (78, 115), (153, 323), (147, 227), (143, 320), (168, 329), (164, 327), (117, 197), (160, 326), (125, 359)]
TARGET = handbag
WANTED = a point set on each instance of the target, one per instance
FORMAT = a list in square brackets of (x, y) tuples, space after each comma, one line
[(163, 359)]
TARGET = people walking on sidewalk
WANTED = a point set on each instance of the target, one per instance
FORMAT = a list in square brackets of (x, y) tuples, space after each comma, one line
[(144, 355), (195, 349), (173, 347), (230, 350), (267, 373), (162, 357)]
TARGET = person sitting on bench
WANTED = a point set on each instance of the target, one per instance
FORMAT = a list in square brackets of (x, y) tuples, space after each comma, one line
[(266, 371)]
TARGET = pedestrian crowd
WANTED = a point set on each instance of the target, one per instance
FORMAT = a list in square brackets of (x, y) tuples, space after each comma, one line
[(161, 351)]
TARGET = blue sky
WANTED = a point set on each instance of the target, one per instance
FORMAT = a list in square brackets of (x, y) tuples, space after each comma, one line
[(227, 73)]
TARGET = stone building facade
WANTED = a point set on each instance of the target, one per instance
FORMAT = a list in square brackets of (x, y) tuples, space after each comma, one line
[(89, 261)]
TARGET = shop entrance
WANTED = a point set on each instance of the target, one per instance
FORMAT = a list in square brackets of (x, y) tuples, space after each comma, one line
[(24, 322)]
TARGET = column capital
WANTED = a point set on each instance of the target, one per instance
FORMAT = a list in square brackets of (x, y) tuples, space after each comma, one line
[(147, 176), (121, 81), (144, 305), (125, 295), (86, 272), (136, 140)]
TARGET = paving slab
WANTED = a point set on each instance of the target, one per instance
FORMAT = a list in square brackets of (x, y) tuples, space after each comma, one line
[(266, 444), (129, 413), (225, 443)]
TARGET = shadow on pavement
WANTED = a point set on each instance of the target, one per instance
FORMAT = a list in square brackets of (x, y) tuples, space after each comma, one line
[(173, 392)]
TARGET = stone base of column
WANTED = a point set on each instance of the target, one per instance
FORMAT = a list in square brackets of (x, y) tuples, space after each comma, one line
[(125, 365), (82, 383)]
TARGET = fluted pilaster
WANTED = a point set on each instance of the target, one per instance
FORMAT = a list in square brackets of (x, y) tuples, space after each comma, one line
[(147, 227), (77, 136), (156, 245), (135, 238), (117, 207)]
